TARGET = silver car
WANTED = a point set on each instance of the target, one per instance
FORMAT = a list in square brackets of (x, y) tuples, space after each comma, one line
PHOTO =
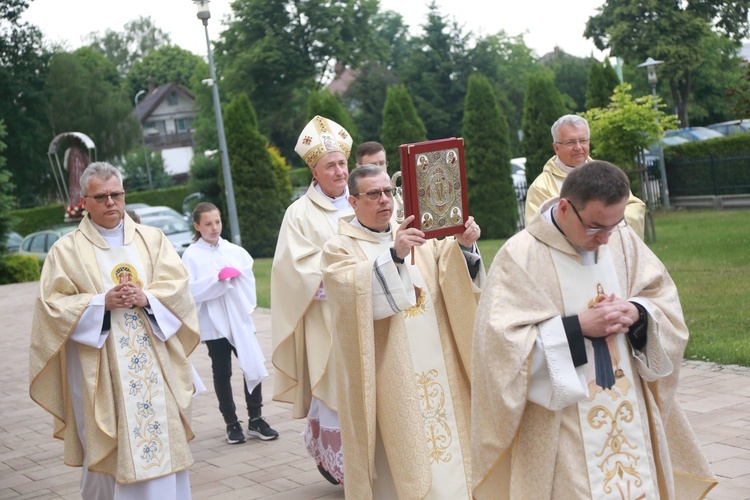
[(177, 230)]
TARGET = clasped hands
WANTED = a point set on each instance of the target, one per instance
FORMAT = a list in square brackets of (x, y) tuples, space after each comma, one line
[(610, 316), (410, 237), (125, 296)]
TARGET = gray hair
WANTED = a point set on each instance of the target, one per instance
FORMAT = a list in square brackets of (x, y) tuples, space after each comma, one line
[(573, 120), (363, 171), (596, 181), (100, 169)]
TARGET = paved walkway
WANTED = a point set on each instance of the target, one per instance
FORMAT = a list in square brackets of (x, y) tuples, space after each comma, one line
[(716, 399)]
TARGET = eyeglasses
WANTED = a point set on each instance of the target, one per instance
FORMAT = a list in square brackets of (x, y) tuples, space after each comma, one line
[(591, 231), (572, 144), (102, 198), (375, 194), (382, 164)]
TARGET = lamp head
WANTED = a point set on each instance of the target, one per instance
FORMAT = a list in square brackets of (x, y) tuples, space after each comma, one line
[(204, 14)]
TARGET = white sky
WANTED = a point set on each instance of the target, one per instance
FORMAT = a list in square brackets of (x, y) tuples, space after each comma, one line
[(545, 23)]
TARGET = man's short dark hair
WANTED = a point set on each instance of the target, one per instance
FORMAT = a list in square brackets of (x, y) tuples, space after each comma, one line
[(361, 172), (368, 148), (596, 181)]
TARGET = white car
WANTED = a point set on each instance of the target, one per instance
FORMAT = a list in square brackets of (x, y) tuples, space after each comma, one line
[(518, 172)]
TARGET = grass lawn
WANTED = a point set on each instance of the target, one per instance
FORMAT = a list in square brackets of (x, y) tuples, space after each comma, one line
[(707, 254)]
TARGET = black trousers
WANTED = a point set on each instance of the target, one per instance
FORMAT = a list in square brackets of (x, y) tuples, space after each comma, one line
[(220, 351)]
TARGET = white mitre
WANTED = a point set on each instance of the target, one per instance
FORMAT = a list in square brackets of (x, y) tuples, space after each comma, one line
[(320, 137)]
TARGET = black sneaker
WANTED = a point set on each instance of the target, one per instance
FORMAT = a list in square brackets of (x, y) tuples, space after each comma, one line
[(234, 433), (258, 427)]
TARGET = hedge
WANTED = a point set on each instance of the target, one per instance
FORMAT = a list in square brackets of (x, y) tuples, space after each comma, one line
[(38, 218), (17, 268)]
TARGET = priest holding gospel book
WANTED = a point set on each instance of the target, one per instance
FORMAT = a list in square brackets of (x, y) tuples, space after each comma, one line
[(402, 343)]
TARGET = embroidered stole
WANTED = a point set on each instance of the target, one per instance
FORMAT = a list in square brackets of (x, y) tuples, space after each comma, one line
[(440, 426), (144, 406), (611, 426)]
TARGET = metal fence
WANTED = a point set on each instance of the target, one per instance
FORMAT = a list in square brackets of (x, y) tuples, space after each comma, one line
[(714, 176)]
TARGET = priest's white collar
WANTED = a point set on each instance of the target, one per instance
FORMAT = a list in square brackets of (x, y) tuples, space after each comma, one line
[(114, 237), (340, 202), (380, 235)]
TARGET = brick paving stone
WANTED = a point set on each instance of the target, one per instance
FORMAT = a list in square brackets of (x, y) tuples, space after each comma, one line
[(715, 398)]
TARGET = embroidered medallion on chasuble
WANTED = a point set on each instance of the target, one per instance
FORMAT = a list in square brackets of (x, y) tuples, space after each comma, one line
[(433, 174), (320, 137), (613, 418), (144, 396)]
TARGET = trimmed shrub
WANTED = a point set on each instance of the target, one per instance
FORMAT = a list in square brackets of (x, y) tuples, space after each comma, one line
[(16, 268)]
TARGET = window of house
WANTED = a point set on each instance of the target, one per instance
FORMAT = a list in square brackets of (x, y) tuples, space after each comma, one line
[(153, 128), (183, 124), (172, 99)]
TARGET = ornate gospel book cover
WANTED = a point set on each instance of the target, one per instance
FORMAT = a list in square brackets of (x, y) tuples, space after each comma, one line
[(433, 177)]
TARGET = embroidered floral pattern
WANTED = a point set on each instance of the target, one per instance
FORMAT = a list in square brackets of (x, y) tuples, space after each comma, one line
[(620, 456), (432, 400), (144, 387)]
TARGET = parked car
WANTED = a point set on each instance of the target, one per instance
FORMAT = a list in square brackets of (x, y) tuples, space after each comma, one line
[(189, 203), (39, 243), (731, 127), (13, 242), (518, 171), (149, 211), (177, 229), (136, 206), (694, 133)]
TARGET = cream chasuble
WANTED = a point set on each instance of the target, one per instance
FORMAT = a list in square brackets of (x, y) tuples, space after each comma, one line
[(403, 382), (627, 440), (449, 480), (136, 390), (613, 433), (143, 393)]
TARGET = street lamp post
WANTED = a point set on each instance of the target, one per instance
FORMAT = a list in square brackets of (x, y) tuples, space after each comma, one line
[(204, 15), (143, 139), (650, 65)]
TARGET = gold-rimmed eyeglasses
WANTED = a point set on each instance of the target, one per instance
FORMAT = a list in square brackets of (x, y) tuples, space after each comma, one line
[(102, 198)]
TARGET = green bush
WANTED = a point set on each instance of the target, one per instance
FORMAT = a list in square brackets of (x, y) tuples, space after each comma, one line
[(38, 218), (15, 268)]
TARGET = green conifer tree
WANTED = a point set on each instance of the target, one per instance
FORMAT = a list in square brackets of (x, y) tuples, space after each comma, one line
[(542, 106), (6, 200), (492, 198), (602, 82), (260, 207), (401, 125)]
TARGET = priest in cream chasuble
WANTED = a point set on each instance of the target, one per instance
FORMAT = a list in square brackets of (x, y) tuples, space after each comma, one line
[(402, 336), (113, 325), (578, 341)]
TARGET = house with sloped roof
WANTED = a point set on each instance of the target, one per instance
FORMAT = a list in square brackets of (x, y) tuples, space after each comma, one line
[(166, 114)]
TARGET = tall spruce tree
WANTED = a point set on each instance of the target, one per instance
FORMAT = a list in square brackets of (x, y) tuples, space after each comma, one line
[(492, 198), (602, 82), (542, 105), (401, 125), (259, 204), (6, 200)]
